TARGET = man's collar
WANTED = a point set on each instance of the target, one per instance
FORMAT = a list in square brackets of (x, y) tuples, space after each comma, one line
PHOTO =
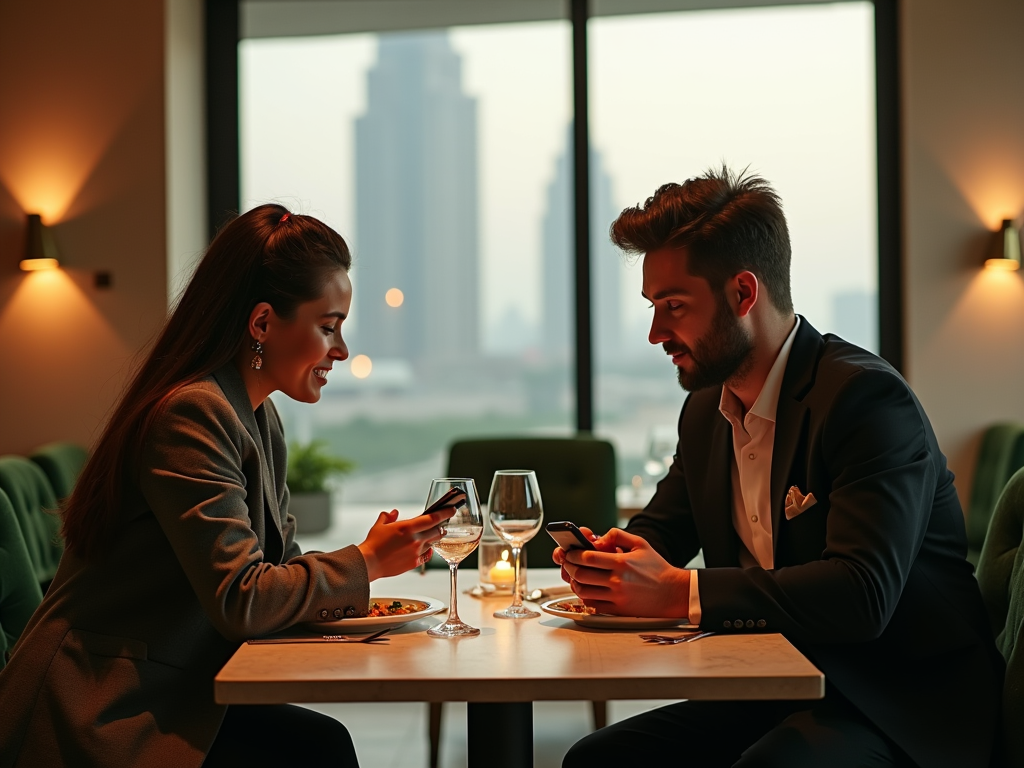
[(767, 403)]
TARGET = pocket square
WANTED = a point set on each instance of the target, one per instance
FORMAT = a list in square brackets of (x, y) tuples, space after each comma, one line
[(797, 503)]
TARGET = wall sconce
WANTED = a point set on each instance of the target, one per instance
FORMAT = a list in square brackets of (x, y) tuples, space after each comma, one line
[(40, 250), (1005, 250)]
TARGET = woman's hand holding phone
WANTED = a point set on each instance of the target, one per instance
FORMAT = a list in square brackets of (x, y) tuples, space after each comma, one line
[(394, 546)]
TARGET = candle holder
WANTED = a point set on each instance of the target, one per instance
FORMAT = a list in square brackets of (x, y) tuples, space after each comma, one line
[(497, 573), (494, 559)]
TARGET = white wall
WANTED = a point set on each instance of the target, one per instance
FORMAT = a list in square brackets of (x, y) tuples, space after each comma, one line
[(82, 142), (963, 132)]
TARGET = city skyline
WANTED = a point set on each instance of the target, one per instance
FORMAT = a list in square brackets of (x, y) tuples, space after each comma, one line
[(606, 263), (791, 122), (415, 163)]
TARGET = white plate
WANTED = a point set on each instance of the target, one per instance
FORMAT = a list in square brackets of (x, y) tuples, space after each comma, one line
[(605, 621), (373, 623)]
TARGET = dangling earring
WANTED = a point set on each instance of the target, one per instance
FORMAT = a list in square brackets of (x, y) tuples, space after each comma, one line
[(257, 361)]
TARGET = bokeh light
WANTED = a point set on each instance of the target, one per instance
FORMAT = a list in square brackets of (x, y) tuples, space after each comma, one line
[(361, 366), (394, 297)]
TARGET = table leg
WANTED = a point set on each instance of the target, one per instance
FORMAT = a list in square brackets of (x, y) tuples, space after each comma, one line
[(500, 735)]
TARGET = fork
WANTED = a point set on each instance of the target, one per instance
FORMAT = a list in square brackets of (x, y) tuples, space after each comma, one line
[(674, 639), (324, 639)]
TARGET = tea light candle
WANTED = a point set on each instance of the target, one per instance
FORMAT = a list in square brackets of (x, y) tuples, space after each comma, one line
[(502, 573)]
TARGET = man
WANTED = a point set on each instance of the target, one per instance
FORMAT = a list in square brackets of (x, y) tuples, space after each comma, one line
[(809, 473)]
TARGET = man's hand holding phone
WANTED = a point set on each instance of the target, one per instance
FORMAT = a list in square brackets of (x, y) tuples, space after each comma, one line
[(625, 576)]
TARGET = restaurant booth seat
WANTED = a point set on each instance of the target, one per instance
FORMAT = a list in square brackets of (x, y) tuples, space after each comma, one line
[(1001, 579), (577, 477), (61, 462), (20, 593), (35, 506), (1000, 455)]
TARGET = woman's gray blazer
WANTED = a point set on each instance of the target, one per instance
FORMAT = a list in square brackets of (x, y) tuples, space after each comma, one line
[(116, 666)]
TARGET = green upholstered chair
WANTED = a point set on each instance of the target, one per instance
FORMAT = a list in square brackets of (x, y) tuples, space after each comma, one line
[(1001, 579), (577, 479), (35, 506), (20, 594), (62, 463), (1001, 454), (576, 475)]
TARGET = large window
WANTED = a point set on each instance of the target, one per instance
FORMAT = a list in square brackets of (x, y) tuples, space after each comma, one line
[(444, 155), (785, 92)]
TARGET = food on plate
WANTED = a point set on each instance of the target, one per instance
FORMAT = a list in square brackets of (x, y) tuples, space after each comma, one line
[(394, 608), (573, 606)]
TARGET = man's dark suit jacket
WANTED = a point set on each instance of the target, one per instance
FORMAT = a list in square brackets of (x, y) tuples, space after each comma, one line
[(872, 582)]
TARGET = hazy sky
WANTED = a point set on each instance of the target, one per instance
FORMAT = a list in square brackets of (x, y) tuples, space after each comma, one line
[(786, 91)]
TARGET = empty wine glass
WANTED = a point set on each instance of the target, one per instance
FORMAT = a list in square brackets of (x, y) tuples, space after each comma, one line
[(661, 448), (516, 512), (461, 535)]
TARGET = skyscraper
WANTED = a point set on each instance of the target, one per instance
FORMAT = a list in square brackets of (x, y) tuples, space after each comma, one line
[(606, 264), (855, 317), (416, 205)]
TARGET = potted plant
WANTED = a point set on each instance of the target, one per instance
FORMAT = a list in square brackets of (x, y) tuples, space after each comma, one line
[(310, 466)]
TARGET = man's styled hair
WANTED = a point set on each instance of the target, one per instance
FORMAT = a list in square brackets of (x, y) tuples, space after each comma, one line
[(727, 222)]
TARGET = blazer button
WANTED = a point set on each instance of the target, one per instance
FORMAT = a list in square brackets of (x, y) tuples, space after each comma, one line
[(761, 622), (337, 613), (738, 623), (324, 614), (750, 623), (727, 624), (350, 611)]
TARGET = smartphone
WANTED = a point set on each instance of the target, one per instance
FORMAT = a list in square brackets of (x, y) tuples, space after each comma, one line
[(449, 499), (568, 536)]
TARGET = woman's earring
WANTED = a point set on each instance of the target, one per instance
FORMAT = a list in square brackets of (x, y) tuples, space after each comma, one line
[(257, 361)]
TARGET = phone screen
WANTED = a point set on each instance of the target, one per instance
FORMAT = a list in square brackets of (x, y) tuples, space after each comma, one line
[(568, 536), (450, 498)]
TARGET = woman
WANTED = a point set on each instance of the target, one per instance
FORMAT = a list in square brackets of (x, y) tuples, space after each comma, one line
[(178, 541)]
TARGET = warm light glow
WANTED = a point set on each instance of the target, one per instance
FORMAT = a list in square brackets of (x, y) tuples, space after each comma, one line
[(61, 388), (982, 324), (502, 572), (1007, 265), (986, 172), (394, 297), (361, 366), (38, 265)]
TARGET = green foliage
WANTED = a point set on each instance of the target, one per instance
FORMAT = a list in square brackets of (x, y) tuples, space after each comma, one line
[(310, 465)]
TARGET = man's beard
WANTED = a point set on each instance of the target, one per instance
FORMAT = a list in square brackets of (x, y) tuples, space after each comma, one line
[(721, 354)]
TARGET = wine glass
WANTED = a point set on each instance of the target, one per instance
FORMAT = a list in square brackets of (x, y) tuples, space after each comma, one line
[(661, 447), (516, 512), (461, 534)]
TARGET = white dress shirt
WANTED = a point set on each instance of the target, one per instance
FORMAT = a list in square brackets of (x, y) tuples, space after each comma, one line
[(753, 439)]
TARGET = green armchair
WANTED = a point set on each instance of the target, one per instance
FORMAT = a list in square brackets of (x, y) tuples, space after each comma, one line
[(1001, 579), (61, 463), (20, 593), (35, 506), (1001, 454)]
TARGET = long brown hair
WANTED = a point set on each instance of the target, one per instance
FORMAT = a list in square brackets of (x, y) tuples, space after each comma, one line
[(267, 254)]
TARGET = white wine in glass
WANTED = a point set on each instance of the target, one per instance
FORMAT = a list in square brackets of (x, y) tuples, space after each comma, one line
[(516, 512), (461, 534)]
